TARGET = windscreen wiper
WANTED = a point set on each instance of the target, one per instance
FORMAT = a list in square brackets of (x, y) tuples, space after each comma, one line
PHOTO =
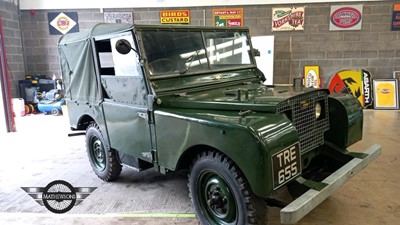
[(189, 60)]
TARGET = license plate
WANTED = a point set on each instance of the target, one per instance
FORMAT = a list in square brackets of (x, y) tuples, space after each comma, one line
[(286, 165)]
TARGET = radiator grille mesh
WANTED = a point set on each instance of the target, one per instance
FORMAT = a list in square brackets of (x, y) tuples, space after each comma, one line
[(301, 111)]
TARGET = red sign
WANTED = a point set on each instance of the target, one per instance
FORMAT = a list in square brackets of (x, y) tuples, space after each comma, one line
[(346, 17), (234, 22)]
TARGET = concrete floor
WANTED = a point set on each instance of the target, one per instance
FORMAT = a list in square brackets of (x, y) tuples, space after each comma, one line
[(40, 152)]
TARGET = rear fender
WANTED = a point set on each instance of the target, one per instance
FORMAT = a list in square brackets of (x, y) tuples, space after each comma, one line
[(81, 115)]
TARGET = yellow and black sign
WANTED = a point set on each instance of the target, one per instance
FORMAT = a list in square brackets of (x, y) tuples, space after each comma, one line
[(175, 17)]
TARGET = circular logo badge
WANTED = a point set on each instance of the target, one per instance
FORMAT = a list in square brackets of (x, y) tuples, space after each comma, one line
[(63, 23), (59, 196), (346, 17)]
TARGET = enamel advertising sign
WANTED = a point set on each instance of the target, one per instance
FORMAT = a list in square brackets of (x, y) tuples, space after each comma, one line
[(396, 17), (386, 94), (288, 19), (355, 82), (312, 77), (118, 17), (347, 17), (175, 17), (228, 17), (63, 22)]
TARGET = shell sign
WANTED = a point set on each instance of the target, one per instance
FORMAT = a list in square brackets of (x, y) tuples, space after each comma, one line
[(228, 17), (347, 17)]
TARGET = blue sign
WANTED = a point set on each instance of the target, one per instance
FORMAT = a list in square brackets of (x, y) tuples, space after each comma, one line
[(396, 17)]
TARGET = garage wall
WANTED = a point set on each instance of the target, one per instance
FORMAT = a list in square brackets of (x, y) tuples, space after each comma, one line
[(374, 48), (13, 44)]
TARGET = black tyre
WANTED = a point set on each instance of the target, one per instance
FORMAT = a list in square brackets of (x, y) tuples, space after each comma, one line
[(221, 194), (103, 160)]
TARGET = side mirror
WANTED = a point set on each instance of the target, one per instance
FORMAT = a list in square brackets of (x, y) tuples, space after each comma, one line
[(123, 46), (256, 52)]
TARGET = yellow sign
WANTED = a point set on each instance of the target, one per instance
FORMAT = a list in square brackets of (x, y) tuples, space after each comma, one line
[(348, 81), (175, 17), (311, 77), (386, 94)]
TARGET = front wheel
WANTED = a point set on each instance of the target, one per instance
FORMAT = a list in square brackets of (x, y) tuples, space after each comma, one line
[(221, 194), (104, 161)]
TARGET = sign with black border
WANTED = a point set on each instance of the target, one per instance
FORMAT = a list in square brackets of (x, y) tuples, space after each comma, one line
[(63, 22), (286, 165)]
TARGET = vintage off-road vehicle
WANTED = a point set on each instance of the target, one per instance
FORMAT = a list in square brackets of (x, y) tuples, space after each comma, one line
[(185, 97)]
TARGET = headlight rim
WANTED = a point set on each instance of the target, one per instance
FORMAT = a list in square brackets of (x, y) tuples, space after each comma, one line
[(318, 110)]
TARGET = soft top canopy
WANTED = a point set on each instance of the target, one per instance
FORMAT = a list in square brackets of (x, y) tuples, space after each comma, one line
[(77, 62), (77, 57), (97, 30)]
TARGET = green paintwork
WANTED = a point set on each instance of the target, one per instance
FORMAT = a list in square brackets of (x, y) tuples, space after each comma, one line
[(182, 84), (346, 120), (167, 117), (242, 96), (97, 153), (249, 141)]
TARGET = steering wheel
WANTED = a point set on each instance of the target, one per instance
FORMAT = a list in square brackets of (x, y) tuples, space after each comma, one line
[(162, 65)]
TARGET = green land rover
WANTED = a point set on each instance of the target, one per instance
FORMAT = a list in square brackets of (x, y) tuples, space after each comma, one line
[(185, 97)]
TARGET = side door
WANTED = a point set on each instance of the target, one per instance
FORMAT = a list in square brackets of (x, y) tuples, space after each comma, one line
[(125, 103)]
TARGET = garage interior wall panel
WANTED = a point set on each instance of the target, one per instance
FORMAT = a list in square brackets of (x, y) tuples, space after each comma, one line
[(375, 47), (13, 44)]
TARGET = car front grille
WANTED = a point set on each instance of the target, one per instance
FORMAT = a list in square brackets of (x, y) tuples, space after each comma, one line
[(301, 111)]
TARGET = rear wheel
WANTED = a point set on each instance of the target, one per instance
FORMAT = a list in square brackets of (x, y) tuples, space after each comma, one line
[(220, 193), (103, 160)]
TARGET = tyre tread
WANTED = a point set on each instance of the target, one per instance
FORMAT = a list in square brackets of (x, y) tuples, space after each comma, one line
[(114, 167), (256, 206)]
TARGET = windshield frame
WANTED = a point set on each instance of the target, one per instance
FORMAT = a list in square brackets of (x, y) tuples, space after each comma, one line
[(192, 57)]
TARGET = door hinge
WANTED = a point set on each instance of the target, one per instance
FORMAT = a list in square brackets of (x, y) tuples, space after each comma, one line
[(154, 155)]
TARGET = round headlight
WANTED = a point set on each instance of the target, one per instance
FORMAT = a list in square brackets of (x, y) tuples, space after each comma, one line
[(318, 110)]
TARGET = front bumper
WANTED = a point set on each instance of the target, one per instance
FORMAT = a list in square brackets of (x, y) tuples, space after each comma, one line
[(300, 207)]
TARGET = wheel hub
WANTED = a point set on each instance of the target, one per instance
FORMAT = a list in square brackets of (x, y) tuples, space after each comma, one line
[(217, 199), (98, 151), (98, 154)]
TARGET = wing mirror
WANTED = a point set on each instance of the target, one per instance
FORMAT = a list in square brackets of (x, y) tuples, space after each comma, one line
[(123, 46)]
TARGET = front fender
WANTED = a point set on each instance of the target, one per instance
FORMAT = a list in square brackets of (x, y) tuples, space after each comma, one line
[(346, 120), (247, 140)]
